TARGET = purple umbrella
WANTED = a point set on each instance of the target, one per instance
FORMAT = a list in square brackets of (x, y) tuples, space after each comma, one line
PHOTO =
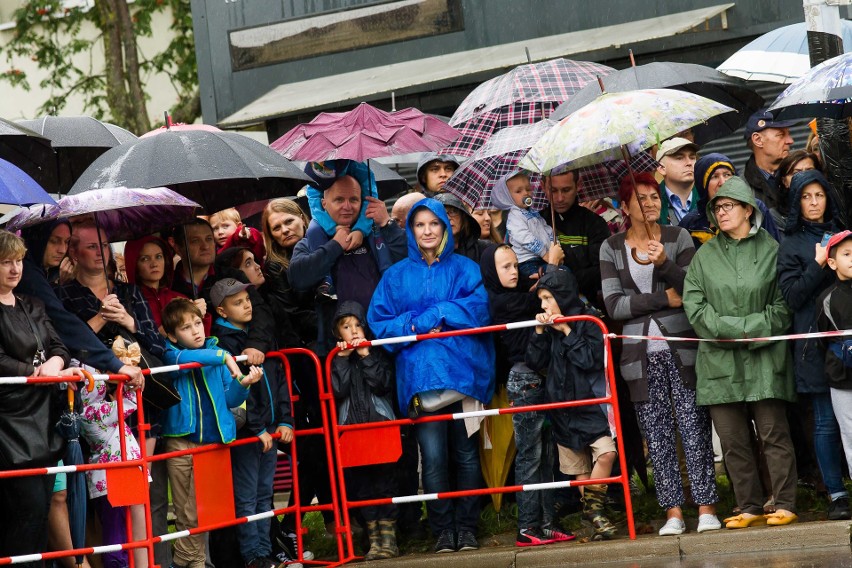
[(364, 133)]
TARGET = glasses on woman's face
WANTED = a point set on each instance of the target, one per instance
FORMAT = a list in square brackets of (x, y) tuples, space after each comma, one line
[(726, 207)]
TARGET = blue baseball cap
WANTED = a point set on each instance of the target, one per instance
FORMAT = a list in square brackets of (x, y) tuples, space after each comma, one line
[(763, 119)]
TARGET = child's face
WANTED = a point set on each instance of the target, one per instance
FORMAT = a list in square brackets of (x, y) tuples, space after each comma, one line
[(349, 329), (548, 303), (842, 261), (519, 189), (236, 308), (222, 228), (506, 263), (189, 334)]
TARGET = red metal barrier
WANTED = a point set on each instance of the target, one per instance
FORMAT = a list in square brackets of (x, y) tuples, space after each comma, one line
[(611, 398)]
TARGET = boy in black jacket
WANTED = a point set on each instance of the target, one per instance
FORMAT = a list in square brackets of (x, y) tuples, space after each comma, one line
[(361, 380), (267, 412)]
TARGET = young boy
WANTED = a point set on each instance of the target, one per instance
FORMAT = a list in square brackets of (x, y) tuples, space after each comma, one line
[(573, 356), (361, 380), (526, 230), (202, 416), (834, 309), (229, 232), (267, 412)]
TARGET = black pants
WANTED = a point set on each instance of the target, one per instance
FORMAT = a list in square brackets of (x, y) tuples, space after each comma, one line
[(372, 482), (24, 504)]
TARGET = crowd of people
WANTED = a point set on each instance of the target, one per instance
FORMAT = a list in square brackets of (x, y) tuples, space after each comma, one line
[(692, 252)]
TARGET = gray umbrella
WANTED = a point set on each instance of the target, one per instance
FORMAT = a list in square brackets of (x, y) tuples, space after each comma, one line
[(697, 79), (29, 151), (216, 169)]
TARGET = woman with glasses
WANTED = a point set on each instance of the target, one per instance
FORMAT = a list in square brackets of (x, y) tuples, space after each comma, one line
[(731, 293)]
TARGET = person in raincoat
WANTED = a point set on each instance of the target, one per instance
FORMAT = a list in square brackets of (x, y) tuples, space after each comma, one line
[(433, 290), (803, 275), (731, 292)]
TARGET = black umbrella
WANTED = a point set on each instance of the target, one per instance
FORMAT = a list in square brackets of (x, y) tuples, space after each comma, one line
[(688, 77), (216, 169), (77, 142), (29, 151)]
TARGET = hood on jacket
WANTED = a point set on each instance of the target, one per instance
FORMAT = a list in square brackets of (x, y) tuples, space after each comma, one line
[(794, 214), (132, 251), (738, 189), (430, 157), (37, 236), (447, 243), (471, 224), (350, 308), (563, 285), (704, 168), (488, 269), (500, 197)]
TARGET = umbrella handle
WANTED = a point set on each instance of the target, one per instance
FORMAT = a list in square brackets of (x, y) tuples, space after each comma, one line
[(90, 380), (70, 394)]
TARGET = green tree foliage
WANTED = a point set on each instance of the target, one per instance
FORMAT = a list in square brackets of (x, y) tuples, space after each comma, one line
[(57, 36)]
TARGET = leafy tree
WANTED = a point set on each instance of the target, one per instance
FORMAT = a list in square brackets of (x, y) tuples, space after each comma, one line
[(54, 33)]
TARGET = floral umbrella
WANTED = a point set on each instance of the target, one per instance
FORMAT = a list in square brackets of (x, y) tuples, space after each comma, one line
[(635, 120)]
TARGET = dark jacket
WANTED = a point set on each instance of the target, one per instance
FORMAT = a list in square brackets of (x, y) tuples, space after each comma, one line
[(801, 279), (362, 386), (28, 412), (838, 375), (767, 191), (574, 366), (294, 312), (268, 403), (468, 243)]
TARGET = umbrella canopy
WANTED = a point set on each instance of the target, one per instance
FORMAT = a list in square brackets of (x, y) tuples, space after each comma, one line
[(77, 142), (364, 133), (216, 169), (69, 427), (29, 151), (496, 460), (602, 180), (635, 119), (180, 126), (688, 77), (825, 91), (780, 56), (123, 213), (17, 188)]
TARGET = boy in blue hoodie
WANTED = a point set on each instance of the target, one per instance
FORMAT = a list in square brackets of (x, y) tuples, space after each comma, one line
[(201, 417), (267, 413)]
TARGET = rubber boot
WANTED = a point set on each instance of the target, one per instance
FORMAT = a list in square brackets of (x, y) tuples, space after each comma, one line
[(387, 528), (375, 535), (594, 497)]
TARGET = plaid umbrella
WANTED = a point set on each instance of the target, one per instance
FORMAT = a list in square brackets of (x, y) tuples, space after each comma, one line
[(602, 180)]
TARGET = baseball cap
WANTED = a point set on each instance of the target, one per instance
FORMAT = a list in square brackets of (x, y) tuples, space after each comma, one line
[(836, 239), (224, 288), (672, 145), (763, 119)]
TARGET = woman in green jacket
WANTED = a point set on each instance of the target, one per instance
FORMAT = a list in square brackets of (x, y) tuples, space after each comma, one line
[(731, 292)]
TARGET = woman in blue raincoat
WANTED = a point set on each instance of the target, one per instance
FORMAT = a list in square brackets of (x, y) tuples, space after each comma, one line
[(436, 290)]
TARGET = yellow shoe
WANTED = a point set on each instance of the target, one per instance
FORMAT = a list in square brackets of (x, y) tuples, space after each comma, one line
[(742, 521), (780, 518)]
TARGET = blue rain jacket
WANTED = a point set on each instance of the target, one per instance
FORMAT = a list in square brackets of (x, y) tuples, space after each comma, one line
[(413, 297)]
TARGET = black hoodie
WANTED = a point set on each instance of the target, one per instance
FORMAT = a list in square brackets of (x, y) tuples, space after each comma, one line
[(575, 366)]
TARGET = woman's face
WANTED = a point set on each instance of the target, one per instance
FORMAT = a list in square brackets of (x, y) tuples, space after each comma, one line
[(286, 229), (91, 254), (11, 270), (151, 265), (814, 203), (732, 216), (456, 218), (720, 175), (428, 231), (251, 269), (484, 219), (802, 165), (650, 198), (57, 246), (506, 263)]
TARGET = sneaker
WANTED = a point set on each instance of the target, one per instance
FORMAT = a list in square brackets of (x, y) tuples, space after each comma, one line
[(839, 510), (446, 541), (556, 533), (284, 560), (673, 526), (290, 544), (532, 536), (262, 562), (467, 541), (708, 522)]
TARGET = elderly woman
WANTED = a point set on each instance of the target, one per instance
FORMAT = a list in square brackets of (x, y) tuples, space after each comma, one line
[(433, 290), (29, 346), (802, 277), (645, 293), (731, 292)]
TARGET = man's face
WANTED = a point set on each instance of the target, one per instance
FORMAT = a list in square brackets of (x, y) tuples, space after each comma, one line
[(563, 192), (680, 166), (436, 174), (773, 143), (202, 247), (342, 201)]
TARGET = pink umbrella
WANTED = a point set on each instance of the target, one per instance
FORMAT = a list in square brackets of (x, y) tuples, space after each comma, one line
[(364, 133)]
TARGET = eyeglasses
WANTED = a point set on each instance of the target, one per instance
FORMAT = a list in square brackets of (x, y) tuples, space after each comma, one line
[(453, 212), (726, 207)]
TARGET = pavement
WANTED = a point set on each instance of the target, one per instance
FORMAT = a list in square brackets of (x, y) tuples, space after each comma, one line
[(820, 544)]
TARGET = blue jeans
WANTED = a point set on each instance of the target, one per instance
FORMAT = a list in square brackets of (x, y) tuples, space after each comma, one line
[(532, 464), (438, 441), (530, 267), (826, 444), (253, 471)]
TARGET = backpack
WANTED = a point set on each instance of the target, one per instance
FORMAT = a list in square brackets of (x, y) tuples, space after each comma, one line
[(842, 349)]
